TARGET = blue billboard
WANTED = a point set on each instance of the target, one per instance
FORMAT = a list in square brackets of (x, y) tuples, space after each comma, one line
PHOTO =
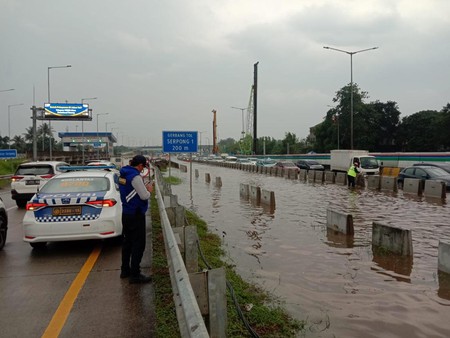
[(180, 141), (8, 153), (66, 111)]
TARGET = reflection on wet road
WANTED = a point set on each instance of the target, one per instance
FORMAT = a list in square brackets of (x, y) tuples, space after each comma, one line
[(333, 281)]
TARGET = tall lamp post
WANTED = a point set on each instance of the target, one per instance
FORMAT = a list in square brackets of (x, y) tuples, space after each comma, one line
[(106, 130), (48, 91), (242, 110), (82, 128), (351, 83), (9, 123), (98, 148)]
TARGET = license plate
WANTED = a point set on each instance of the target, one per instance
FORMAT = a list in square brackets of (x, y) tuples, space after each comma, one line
[(32, 182), (67, 211)]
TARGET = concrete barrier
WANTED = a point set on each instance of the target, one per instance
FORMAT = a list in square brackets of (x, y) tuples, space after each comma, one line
[(268, 198), (435, 189), (388, 183), (207, 177), (255, 194), (373, 182), (302, 175), (218, 181), (244, 190), (292, 174), (329, 177), (393, 239), (183, 168), (340, 222), (341, 178), (412, 186), (196, 173), (444, 257), (311, 175), (318, 177)]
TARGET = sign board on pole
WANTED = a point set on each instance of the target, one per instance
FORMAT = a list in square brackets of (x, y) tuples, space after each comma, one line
[(8, 153), (66, 111), (180, 141)]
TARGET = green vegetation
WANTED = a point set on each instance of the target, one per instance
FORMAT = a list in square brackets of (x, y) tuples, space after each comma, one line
[(266, 317), (8, 167)]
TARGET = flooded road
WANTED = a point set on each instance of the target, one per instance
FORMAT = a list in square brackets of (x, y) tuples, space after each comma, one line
[(335, 283)]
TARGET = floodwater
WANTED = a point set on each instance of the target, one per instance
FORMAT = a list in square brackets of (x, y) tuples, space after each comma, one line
[(334, 282)]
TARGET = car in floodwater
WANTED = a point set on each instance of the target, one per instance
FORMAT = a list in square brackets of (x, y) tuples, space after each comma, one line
[(309, 165), (424, 173)]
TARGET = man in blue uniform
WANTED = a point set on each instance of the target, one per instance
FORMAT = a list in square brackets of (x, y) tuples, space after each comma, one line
[(134, 195)]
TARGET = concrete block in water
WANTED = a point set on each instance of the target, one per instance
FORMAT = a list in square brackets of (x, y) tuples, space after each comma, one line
[(218, 181), (329, 177), (341, 178), (302, 175), (435, 189), (393, 239), (255, 194), (311, 175), (318, 177), (444, 257), (207, 178), (196, 172), (412, 186), (244, 190), (340, 222), (388, 183), (268, 198), (292, 174), (373, 182)]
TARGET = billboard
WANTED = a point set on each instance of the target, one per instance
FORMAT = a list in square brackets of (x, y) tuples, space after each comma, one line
[(66, 111)]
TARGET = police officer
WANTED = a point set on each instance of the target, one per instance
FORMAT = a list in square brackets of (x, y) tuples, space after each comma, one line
[(134, 195), (351, 174)]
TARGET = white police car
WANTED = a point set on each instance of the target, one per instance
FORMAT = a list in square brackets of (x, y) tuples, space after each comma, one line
[(76, 205)]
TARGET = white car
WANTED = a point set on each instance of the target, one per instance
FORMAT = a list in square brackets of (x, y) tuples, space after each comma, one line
[(3, 224), (31, 176), (76, 205)]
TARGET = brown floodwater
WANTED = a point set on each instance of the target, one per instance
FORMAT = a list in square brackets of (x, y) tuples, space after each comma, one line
[(334, 282)]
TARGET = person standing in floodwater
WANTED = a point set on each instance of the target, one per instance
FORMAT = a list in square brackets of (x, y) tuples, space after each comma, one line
[(352, 173)]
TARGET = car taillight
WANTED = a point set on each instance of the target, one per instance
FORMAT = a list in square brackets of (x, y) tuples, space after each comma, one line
[(47, 176), (31, 206), (16, 178), (105, 203)]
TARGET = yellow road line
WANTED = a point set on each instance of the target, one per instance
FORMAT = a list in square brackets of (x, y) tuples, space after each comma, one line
[(59, 318)]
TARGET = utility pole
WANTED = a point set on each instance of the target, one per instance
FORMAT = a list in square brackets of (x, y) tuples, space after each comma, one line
[(215, 149), (255, 106)]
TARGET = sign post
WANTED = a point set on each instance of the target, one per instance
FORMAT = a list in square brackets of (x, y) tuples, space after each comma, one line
[(8, 153)]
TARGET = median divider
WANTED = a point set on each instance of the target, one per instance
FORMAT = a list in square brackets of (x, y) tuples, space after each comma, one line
[(340, 222)]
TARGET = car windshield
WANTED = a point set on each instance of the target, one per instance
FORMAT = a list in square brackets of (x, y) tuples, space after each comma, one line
[(287, 164), (75, 184), (369, 162), (34, 170), (312, 162)]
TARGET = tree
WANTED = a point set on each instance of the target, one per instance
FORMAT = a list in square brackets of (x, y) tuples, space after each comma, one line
[(417, 132)]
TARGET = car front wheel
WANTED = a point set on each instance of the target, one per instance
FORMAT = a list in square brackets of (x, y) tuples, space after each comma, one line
[(400, 184)]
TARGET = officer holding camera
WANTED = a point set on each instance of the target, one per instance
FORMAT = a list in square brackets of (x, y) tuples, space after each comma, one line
[(134, 195)]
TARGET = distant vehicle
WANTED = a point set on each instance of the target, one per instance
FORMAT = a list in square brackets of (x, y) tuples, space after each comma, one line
[(104, 163), (309, 165), (31, 176), (342, 159), (230, 159), (287, 165), (445, 166), (265, 162), (424, 173), (3, 224), (77, 205), (245, 161)]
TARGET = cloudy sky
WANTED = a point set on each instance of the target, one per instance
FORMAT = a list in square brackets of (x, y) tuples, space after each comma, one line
[(165, 65)]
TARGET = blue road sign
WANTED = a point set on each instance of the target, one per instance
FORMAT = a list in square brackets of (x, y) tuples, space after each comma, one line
[(8, 153), (180, 141)]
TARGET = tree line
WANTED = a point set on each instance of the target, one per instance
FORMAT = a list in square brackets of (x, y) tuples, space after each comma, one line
[(377, 127)]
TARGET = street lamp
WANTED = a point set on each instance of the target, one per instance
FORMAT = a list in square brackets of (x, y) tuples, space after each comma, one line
[(106, 125), (82, 127), (48, 92), (98, 148), (9, 123), (351, 83), (201, 132), (242, 110), (5, 90)]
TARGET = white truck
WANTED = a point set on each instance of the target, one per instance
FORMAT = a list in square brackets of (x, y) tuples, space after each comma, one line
[(342, 159)]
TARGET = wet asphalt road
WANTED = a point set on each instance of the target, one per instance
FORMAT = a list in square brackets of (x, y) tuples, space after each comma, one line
[(34, 285)]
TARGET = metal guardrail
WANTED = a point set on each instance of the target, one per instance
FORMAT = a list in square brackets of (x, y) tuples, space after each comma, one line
[(191, 323), (5, 177)]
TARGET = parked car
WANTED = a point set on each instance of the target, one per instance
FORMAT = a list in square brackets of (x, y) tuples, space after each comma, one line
[(31, 176), (445, 166), (424, 173), (265, 162), (286, 165), (309, 165), (76, 205), (3, 224)]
